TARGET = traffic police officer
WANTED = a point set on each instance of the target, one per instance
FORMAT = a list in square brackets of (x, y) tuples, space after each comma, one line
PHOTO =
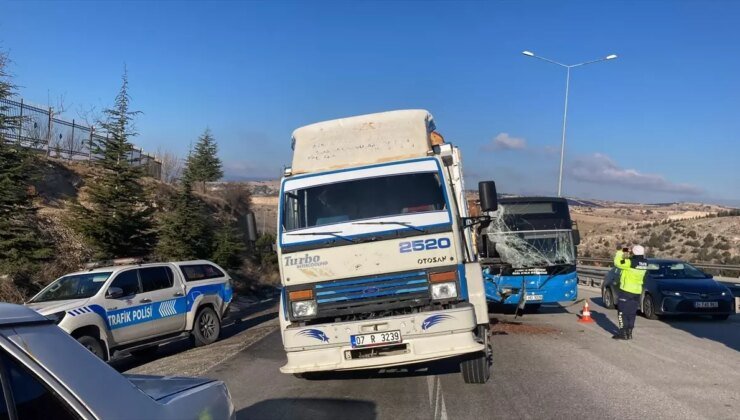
[(633, 269)]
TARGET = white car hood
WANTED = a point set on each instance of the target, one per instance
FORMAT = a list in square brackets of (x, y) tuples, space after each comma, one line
[(54, 306)]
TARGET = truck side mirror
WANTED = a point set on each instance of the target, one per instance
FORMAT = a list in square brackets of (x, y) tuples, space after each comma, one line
[(114, 293), (487, 195), (251, 228)]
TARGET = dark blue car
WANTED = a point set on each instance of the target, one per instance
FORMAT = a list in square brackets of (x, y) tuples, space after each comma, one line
[(674, 287)]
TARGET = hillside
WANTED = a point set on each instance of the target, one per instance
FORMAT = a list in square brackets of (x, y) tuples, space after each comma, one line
[(62, 182)]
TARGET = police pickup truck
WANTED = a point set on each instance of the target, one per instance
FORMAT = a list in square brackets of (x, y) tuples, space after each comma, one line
[(137, 307)]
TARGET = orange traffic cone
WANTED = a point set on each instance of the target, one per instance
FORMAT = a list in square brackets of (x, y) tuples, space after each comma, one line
[(585, 314)]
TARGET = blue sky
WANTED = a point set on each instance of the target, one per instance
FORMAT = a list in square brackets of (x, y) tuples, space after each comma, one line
[(660, 123)]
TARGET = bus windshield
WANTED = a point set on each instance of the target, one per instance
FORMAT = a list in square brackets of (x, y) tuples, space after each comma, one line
[(532, 248), (74, 286), (360, 199)]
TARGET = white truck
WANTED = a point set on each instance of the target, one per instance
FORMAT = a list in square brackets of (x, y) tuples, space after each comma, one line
[(375, 249), (137, 307)]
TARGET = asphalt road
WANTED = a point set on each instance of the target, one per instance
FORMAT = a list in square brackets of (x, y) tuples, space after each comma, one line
[(546, 365)]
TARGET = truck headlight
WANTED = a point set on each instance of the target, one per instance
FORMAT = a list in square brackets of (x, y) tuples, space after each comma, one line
[(670, 293), (444, 290), (304, 308), (56, 317)]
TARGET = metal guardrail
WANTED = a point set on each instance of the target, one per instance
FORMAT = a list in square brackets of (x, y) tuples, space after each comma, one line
[(594, 276), (704, 266)]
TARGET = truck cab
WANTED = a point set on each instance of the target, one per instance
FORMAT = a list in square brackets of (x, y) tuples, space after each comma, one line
[(375, 252)]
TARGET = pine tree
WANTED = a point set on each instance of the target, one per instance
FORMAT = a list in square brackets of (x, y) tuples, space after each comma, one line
[(186, 229), (203, 164), (228, 246), (118, 220), (22, 247)]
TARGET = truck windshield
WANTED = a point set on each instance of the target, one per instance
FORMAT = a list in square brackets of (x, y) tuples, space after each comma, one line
[(362, 199), (75, 286)]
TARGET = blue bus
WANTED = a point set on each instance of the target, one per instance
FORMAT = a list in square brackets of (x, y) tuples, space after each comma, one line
[(528, 250)]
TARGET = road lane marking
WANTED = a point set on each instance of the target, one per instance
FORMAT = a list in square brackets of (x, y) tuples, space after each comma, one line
[(436, 397)]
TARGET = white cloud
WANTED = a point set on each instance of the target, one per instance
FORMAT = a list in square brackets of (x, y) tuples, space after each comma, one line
[(503, 141), (601, 169)]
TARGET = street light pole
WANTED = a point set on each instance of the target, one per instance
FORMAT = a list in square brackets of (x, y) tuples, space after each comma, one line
[(562, 142), (565, 111)]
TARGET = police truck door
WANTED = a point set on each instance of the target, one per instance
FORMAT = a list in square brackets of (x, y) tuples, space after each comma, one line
[(151, 305)]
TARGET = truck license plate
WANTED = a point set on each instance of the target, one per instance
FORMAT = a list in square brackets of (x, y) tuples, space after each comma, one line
[(706, 304), (375, 339), (533, 297)]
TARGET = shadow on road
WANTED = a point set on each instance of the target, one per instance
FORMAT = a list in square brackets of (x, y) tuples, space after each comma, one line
[(440, 367), (604, 322), (725, 332), (310, 408), (231, 326)]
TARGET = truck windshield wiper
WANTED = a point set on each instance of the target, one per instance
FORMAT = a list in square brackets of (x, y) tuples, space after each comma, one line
[(334, 234), (406, 224)]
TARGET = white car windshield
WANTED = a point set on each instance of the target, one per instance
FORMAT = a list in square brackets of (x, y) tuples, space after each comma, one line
[(74, 286)]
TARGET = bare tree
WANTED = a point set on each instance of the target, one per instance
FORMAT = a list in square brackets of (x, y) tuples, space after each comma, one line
[(72, 144), (171, 166), (238, 197)]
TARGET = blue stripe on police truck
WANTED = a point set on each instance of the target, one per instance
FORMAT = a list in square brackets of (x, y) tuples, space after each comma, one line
[(145, 313), (151, 312)]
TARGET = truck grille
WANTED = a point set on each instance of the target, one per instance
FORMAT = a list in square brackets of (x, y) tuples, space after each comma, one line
[(372, 293)]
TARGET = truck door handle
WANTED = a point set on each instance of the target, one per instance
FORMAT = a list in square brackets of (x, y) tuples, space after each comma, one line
[(179, 294), (113, 308), (145, 301)]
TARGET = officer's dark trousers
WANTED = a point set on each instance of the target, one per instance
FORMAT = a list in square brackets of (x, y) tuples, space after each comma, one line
[(627, 304)]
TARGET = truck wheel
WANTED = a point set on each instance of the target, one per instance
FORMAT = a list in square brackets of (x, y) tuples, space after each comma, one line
[(476, 369), (92, 344), (206, 327)]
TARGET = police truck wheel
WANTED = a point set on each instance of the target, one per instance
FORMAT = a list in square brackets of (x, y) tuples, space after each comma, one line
[(206, 328), (92, 344), (607, 298), (648, 307)]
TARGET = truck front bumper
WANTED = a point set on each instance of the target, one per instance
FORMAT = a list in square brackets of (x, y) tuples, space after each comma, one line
[(425, 336)]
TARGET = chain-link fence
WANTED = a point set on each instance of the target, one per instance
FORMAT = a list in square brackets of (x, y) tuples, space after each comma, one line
[(40, 130)]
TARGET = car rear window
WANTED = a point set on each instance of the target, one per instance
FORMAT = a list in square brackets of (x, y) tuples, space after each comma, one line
[(197, 272)]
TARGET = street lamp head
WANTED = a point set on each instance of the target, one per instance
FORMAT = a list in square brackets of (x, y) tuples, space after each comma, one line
[(528, 53), (611, 57)]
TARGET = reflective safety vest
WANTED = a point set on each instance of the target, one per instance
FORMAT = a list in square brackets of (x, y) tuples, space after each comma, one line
[(633, 273)]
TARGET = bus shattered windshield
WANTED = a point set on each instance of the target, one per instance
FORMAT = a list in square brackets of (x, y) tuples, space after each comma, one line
[(530, 234)]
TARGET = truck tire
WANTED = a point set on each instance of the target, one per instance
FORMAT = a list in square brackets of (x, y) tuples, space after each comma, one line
[(206, 328), (92, 344), (476, 369)]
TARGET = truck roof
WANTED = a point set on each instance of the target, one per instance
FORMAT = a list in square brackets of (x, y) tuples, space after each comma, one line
[(362, 140)]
